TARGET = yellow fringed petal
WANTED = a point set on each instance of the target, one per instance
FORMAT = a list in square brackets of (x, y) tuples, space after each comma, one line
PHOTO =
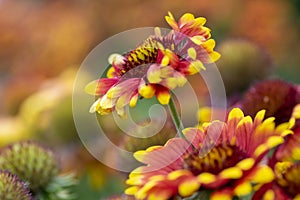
[(297, 197), (186, 18), (140, 155), (235, 113), (260, 115), (273, 141), (231, 173), (220, 196), (91, 87), (296, 112), (189, 187), (245, 120), (147, 91), (260, 149), (246, 164), (243, 189), (214, 56), (135, 180), (195, 67), (133, 100), (153, 75), (192, 53), (264, 174), (269, 195), (206, 178), (163, 97), (178, 173), (198, 39), (95, 106), (180, 79), (110, 72), (296, 153), (200, 21), (131, 190), (162, 195), (165, 61)]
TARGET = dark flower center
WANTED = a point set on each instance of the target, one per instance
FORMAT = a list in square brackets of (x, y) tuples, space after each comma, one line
[(219, 158), (143, 55)]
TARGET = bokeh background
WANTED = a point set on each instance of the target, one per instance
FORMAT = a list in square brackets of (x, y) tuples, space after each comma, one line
[(43, 43)]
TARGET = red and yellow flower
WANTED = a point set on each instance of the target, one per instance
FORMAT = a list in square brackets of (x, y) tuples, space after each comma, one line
[(281, 100), (290, 149), (285, 164), (222, 157), (285, 185), (277, 97), (158, 65), (190, 26)]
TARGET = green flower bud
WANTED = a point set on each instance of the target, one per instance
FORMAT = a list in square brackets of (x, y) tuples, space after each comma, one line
[(31, 162)]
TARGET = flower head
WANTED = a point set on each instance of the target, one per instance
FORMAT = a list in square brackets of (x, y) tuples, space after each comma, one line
[(290, 149), (285, 185), (277, 97), (220, 156), (285, 164), (281, 100), (11, 187), (158, 65), (38, 167), (31, 162), (190, 26)]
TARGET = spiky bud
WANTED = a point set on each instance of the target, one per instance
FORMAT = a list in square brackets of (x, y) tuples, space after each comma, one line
[(31, 162), (11, 188)]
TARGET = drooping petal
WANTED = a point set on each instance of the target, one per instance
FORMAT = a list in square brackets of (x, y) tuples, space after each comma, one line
[(147, 90), (163, 95), (154, 74), (101, 86), (133, 100)]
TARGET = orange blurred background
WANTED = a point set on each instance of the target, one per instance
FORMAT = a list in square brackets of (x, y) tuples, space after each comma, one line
[(43, 42)]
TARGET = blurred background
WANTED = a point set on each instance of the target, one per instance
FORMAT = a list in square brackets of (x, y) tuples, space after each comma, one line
[(43, 43)]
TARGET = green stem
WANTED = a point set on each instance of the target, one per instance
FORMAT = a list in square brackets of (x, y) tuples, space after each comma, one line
[(175, 117)]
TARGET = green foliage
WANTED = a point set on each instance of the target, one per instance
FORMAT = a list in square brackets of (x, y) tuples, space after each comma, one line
[(85, 190), (60, 188)]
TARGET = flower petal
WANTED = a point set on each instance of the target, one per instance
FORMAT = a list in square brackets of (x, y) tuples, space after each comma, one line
[(243, 189), (154, 74), (101, 86), (187, 17), (147, 91), (188, 187), (163, 95), (171, 21)]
